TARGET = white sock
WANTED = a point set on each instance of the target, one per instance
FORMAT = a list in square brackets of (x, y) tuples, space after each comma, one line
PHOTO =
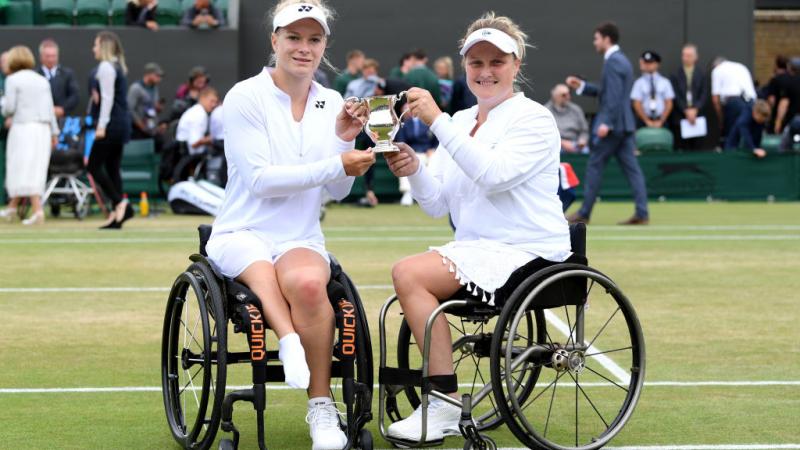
[(293, 357)]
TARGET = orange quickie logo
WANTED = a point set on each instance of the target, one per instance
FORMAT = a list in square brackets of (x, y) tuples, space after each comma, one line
[(257, 346), (349, 331)]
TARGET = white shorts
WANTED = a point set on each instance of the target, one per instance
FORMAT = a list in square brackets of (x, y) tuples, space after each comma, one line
[(232, 253)]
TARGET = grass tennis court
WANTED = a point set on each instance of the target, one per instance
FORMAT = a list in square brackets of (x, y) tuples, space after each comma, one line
[(715, 287)]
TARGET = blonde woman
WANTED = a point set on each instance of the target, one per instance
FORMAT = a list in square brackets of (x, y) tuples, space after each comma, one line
[(34, 132), (286, 139), (496, 173), (443, 66), (109, 111)]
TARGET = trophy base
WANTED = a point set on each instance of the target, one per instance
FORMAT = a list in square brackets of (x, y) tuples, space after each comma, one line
[(385, 148)]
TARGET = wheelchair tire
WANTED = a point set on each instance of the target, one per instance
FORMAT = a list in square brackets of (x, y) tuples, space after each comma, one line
[(487, 441), (610, 339), (194, 357), (365, 440), (485, 418)]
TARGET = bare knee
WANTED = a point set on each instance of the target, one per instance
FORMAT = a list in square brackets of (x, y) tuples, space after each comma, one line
[(404, 277), (309, 294)]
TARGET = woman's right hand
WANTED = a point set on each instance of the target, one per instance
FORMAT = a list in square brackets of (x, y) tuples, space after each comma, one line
[(402, 163), (356, 162), (100, 133)]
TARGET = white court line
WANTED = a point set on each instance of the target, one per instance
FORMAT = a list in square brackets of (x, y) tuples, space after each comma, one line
[(59, 290), (656, 238), (623, 376), (282, 387), (390, 228)]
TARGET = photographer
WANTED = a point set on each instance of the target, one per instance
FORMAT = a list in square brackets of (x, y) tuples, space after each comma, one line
[(203, 15)]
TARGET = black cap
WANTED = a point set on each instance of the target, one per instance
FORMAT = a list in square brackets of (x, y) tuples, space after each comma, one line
[(651, 56)]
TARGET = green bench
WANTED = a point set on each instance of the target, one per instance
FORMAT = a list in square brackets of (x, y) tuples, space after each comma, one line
[(140, 169)]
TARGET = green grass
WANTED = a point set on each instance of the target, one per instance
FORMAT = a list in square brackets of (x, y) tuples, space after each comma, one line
[(715, 287)]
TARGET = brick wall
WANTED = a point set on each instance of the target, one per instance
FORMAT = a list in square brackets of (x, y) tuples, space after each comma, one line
[(774, 33)]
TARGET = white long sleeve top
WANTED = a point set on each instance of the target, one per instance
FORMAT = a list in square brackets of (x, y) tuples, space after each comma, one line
[(106, 76), (28, 99), (500, 185), (277, 167)]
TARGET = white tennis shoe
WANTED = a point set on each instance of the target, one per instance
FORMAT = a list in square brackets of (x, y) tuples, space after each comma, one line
[(323, 418), (443, 421)]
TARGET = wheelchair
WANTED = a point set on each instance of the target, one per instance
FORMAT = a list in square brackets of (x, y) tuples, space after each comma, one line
[(195, 356), (559, 358)]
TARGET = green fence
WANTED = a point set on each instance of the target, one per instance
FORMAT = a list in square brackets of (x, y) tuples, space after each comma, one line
[(689, 176)]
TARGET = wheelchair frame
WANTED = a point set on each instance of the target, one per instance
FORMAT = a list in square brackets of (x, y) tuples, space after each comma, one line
[(234, 302), (533, 295)]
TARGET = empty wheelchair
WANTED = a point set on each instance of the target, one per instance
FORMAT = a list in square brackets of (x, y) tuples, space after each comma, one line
[(559, 358), (195, 355)]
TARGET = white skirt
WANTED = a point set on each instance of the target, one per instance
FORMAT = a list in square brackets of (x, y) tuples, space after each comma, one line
[(27, 158), (483, 264)]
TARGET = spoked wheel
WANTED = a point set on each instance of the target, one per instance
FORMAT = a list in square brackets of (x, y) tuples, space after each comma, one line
[(193, 357), (471, 347), (591, 362)]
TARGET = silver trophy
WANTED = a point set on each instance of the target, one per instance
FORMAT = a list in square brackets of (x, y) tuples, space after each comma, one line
[(382, 122)]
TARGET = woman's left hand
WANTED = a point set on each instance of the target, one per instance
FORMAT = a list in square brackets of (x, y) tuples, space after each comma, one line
[(54, 142), (351, 120), (100, 133), (422, 105)]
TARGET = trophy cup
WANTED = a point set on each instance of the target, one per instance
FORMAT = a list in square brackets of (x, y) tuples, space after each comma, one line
[(382, 122)]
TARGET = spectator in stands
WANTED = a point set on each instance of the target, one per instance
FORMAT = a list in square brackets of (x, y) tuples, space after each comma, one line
[(732, 91), (570, 119), (145, 105), (364, 86), (194, 128), (186, 95), (203, 15), (419, 137), (789, 94), (355, 62), (322, 78), (142, 13), (34, 132), (614, 126), (63, 85), (109, 111), (691, 95), (419, 75), (652, 93), (403, 66), (443, 67), (748, 129), (771, 91)]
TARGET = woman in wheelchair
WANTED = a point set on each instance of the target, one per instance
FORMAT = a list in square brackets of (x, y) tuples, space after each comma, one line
[(496, 173), (288, 138)]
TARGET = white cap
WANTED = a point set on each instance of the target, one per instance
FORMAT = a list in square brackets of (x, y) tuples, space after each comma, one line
[(499, 39), (292, 13)]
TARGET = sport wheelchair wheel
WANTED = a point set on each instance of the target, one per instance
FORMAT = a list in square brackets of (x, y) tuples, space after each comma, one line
[(193, 357), (591, 360), (471, 348)]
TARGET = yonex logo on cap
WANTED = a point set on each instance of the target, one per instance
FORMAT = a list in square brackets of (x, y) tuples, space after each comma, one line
[(304, 8)]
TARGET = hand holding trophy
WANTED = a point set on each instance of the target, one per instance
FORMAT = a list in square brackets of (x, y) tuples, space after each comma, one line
[(382, 121)]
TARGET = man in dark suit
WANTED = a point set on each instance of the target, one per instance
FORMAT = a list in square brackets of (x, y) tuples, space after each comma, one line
[(614, 126), (691, 96), (62, 81)]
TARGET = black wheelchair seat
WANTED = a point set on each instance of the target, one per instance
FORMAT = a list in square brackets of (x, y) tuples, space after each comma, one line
[(558, 294)]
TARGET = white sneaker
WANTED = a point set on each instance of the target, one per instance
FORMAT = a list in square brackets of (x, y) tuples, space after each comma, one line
[(323, 417), (443, 421), (407, 199)]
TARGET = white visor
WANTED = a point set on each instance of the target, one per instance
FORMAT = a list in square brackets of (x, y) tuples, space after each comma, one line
[(292, 13), (504, 42)]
